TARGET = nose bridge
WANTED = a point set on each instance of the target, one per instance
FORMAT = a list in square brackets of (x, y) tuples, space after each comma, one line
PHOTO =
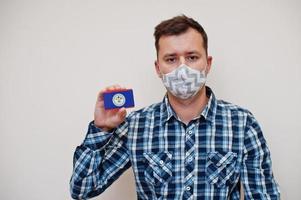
[(182, 60)]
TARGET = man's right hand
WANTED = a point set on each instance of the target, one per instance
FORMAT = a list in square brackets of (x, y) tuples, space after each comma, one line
[(108, 119)]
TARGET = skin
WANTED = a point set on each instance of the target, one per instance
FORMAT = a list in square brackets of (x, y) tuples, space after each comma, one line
[(173, 51), (186, 48), (108, 119)]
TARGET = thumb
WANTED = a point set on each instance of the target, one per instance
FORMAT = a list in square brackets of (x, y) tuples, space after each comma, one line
[(121, 113)]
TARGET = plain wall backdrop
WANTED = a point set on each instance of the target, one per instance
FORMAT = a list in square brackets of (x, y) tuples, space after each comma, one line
[(55, 55)]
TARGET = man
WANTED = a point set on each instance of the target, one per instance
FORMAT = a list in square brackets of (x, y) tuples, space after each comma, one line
[(189, 146)]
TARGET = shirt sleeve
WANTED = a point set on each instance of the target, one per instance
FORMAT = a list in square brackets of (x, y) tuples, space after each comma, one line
[(256, 175), (99, 161)]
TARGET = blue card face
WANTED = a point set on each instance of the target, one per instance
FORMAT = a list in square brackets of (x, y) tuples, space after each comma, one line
[(118, 99)]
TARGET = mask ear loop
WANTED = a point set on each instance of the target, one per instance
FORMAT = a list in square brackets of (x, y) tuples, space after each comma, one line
[(204, 71), (205, 74)]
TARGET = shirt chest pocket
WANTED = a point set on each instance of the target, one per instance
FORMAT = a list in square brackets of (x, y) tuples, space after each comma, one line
[(158, 167), (221, 168)]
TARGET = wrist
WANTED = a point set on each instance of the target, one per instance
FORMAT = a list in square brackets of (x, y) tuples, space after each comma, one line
[(102, 127)]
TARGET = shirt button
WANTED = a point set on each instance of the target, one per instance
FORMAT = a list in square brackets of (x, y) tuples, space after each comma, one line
[(188, 188), (190, 159), (161, 162), (189, 132)]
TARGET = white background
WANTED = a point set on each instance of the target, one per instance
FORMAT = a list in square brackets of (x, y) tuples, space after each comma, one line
[(56, 55)]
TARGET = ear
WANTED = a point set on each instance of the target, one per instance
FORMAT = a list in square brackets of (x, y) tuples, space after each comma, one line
[(209, 63), (158, 69)]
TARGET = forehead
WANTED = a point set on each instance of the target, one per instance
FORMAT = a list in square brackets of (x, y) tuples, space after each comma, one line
[(191, 40)]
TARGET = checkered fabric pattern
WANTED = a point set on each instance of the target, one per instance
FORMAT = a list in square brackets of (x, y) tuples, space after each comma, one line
[(206, 159)]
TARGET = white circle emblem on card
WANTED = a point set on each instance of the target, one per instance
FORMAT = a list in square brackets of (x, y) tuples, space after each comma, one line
[(118, 99)]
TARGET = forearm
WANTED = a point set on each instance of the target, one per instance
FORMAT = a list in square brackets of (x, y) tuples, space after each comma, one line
[(93, 170)]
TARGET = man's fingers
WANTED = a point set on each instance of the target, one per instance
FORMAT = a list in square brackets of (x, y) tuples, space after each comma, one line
[(112, 87), (100, 95), (122, 113), (101, 104), (109, 89), (116, 86)]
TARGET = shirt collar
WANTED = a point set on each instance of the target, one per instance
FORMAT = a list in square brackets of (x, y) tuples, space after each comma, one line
[(208, 112)]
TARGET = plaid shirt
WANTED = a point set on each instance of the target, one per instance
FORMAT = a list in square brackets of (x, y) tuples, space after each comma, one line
[(206, 159)]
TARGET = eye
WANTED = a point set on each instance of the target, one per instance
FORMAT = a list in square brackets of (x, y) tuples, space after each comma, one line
[(170, 60), (192, 58)]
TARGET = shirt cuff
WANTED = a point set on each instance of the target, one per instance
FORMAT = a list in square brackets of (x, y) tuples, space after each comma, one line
[(96, 138)]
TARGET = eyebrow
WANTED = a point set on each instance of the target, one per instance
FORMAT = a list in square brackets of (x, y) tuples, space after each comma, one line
[(188, 53), (169, 55), (193, 52)]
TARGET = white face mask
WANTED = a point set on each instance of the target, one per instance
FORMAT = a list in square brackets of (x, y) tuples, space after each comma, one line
[(184, 82)]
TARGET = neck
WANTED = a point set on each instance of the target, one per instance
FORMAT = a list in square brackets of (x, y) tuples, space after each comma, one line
[(188, 109)]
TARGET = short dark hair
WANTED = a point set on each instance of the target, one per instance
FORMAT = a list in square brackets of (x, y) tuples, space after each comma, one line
[(176, 26)]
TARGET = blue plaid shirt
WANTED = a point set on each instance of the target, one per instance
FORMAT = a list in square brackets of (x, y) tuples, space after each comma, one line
[(206, 159)]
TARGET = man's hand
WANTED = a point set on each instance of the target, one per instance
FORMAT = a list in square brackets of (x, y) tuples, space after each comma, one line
[(108, 119)]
